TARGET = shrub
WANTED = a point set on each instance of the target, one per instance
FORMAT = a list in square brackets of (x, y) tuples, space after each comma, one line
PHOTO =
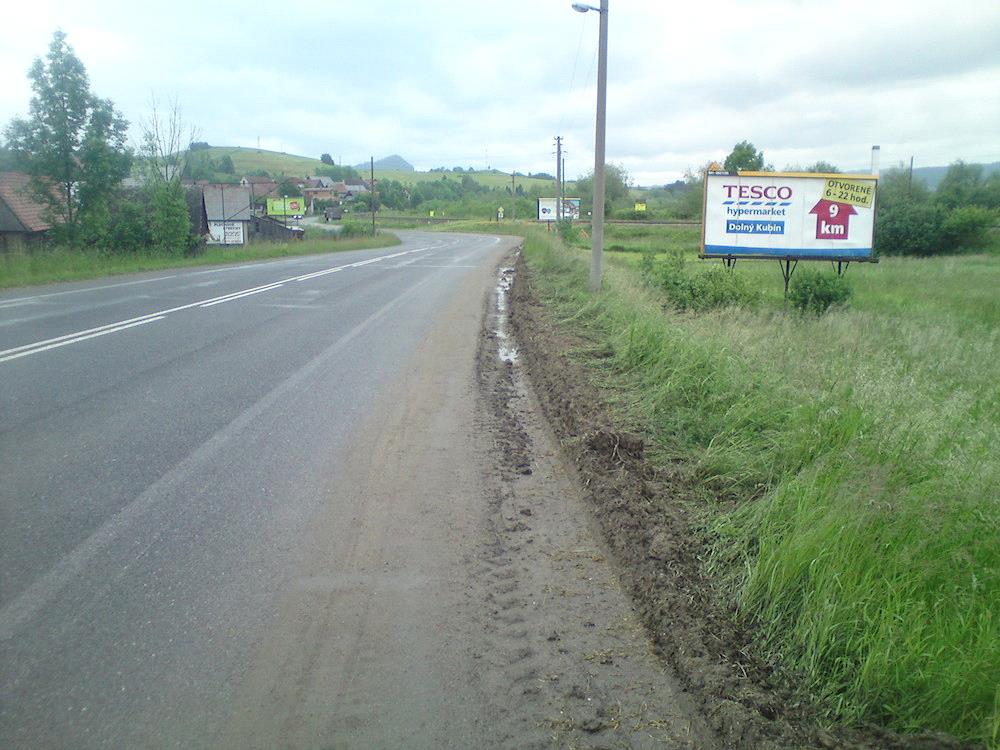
[(966, 228), (909, 229), (816, 292), (353, 228), (698, 290)]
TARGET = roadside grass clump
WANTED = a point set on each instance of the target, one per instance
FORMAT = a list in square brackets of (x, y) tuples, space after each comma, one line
[(690, 288), (52, 264), (853, 458), (813, 292)]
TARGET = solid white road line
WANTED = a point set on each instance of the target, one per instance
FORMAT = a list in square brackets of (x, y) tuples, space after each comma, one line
[(80, 338), (121, 325)]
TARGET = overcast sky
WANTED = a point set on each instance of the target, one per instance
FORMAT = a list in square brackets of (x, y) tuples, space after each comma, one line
[(492, 83)]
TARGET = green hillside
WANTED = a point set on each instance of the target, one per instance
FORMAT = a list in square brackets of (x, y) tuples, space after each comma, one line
[(275, 163)]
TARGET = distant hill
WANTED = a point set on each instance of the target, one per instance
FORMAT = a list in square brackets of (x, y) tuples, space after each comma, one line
[(276, 164), (932, 176), (394, 163)]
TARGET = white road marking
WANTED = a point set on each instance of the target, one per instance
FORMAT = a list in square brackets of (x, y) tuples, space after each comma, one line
[(241, 295), (80, 338), (71, 338), (27, 605)]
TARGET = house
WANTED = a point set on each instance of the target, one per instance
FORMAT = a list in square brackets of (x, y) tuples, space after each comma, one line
[(357, 187), (22, 217), (228, 210), (261, 188)]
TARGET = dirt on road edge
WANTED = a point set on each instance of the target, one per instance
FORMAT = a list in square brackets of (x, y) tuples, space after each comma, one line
[(648, 527)]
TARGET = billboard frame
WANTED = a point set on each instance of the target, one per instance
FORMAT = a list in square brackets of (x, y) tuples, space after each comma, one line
[(730, 258)]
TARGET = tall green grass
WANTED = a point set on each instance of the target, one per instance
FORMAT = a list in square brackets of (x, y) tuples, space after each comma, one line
[(856, 455), (47, 265)]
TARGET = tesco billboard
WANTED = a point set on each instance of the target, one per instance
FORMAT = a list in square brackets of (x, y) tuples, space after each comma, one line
[(789, 215)]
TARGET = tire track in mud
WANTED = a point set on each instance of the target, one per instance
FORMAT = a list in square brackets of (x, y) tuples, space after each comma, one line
[(565, 660)]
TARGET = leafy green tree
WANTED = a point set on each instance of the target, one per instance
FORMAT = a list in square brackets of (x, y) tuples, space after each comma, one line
[(616, 186), (822, 167), (169, 221), (326, 159), (225, 164), (289, 187), (8, 160), (963, 185), (744, 157), (72, 143)]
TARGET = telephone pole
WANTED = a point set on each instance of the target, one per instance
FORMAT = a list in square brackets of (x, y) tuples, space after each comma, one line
[(372, 194), (559, 161)]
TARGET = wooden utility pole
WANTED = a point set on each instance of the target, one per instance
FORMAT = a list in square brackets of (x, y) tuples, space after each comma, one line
[(559, 161), (371, 197)]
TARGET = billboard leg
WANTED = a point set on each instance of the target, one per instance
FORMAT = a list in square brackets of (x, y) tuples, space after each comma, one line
[(788, 267)]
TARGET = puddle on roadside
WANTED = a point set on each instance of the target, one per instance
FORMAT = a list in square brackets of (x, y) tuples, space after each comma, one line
[(506, 348)]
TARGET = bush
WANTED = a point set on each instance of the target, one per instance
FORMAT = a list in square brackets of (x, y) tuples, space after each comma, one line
[(816, 292), (353, 228), (909, 229), (698, 290), (966, 228)]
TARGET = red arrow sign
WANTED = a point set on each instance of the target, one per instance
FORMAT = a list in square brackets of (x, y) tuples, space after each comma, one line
[(832, 219)]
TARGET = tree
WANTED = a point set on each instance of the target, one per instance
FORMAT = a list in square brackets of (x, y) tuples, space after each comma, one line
[(289, 187), (744, 157), (616, 185), (963, 185), (165, 162), (72, 143), (326, 159)]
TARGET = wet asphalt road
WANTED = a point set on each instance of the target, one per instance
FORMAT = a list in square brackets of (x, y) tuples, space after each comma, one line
[(165, 441)]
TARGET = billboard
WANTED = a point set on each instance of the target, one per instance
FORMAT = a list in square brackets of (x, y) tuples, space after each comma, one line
[(789, 215), (225, 233), (547, 209), (286, 206)]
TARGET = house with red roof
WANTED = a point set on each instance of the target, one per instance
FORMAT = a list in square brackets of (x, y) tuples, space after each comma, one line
[(22, 217)]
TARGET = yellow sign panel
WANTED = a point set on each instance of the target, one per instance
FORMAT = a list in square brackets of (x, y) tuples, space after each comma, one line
[(854, 192), (640, 206)]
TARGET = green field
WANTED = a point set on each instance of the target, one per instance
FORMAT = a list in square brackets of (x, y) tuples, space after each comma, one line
[(847, 462), (50, 265), (275, 163)]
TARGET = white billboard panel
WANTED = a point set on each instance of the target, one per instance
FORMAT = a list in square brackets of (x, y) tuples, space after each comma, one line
[(789, 215), (225, 233), (547, 209)]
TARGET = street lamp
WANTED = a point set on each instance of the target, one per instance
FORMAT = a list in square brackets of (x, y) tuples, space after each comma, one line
[(597, 229)]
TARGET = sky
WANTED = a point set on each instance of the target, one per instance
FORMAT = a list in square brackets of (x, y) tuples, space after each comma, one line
[(491, 84)]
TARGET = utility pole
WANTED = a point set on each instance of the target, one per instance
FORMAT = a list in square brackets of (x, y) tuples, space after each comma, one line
[(559, 161), (562, 183), (909, 182), (372, 196), (513, 197)]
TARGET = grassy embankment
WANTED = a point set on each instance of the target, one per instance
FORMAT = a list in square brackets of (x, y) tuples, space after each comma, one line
[(848, 462), (57, 264)]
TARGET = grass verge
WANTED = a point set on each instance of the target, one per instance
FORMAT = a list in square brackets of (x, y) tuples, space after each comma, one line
[(848, 464), (59, 264)]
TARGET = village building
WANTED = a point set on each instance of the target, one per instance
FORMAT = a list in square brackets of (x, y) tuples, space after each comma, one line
[(228, 211), (22, 217)]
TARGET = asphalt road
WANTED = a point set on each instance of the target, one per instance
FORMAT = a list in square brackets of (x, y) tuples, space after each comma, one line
[(169, 444)]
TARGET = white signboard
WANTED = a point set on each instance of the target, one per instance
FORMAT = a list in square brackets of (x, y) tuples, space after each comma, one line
[(225, 233), (547, 209), (789, 215)]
